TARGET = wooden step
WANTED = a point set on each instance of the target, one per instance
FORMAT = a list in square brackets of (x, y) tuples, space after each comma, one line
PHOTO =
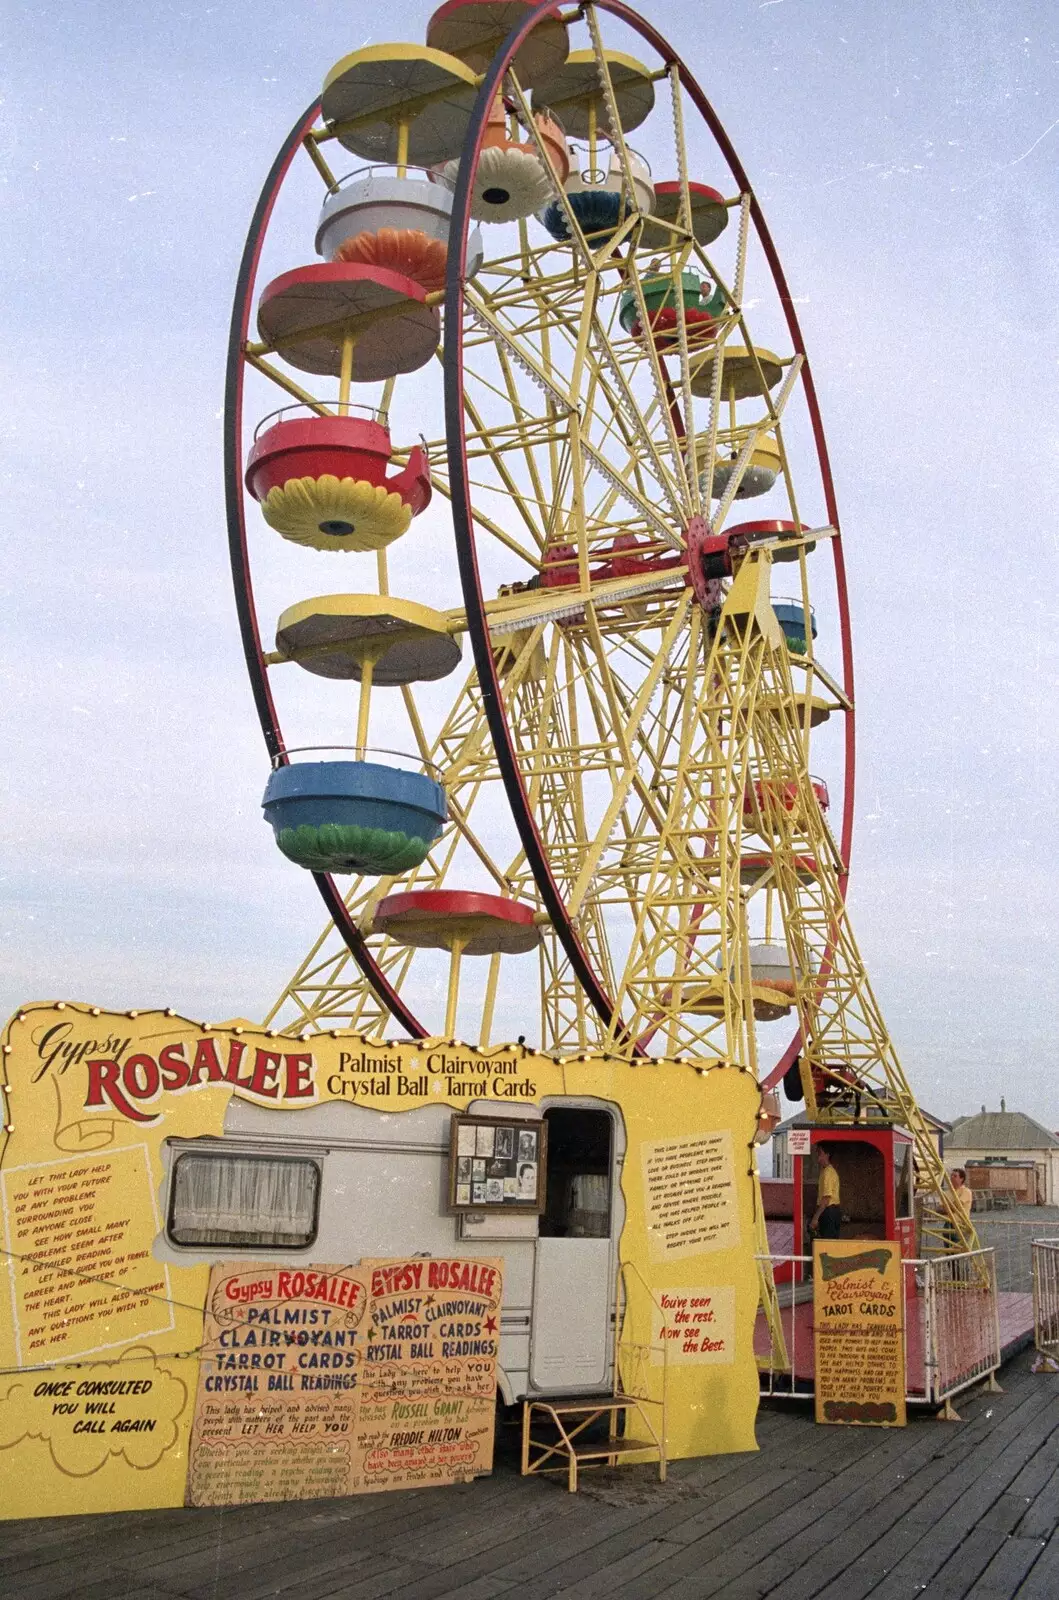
[(594, 1403), (612, 1447)]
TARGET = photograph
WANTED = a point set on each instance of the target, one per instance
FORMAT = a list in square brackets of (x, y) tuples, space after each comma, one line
[(527, 1180), (494, 1191), (463, 1194), (484, 1141), (527, 1145), (504, 1148), (463, 1169)]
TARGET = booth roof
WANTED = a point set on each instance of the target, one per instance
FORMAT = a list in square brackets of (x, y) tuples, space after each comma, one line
[(801, 1119)]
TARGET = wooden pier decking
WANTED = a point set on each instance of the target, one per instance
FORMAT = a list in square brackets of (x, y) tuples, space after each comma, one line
[(953, 1511)]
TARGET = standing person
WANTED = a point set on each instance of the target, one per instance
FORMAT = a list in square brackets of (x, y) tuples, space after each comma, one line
[(827, 1218), (964, 1194)]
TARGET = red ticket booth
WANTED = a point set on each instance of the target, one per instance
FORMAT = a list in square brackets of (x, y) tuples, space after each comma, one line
[(875, 1172)]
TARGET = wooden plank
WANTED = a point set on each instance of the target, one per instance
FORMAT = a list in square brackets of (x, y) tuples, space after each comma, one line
[(686, 1569), (741, 1574), (957, 1575), (372, 1587), (665, 1533), (473, 1534), (1042, 1513), (802, 1542), (241, 1564), (1042, 1580), (62, 1579), (585, 1526), (325, 1569), (890, 1541), (1015, 1559), (854, 1491), (968, 1501)]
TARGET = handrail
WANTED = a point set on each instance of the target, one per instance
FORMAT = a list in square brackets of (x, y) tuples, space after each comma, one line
[(944, 1284), (359, 750), (394, 171), (373, 412)]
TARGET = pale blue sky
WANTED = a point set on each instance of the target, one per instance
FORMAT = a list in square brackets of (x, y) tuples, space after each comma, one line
[(906, 158)]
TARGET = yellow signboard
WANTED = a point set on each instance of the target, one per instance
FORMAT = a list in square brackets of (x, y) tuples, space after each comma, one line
[(858, 1326), (338, 1380), (113, 1331)]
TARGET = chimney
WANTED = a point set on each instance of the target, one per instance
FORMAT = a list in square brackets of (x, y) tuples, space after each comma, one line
[(1003, 1107), (983, 1111)]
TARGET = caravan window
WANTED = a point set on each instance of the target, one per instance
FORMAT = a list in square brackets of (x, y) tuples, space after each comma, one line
[(244, 1201)]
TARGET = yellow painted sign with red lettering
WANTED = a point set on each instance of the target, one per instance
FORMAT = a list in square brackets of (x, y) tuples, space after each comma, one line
[(115, 1321)]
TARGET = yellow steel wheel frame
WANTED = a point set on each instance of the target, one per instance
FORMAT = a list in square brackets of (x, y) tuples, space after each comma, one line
[(586, 449), (642, 701)]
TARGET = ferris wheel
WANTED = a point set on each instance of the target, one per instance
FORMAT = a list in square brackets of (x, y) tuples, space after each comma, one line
[(576, 795), (549, 308)]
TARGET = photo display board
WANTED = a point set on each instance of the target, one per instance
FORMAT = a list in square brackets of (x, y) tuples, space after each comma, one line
[(498, 1166)]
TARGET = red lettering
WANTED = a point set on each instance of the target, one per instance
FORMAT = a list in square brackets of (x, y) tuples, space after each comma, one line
[(378, 1286), (284, 1286), (206, 1068), (299, 1077), (263, 1078), (236, 1051), (103, 1087), (176, 1074), (151, 1077), (343, 1292)]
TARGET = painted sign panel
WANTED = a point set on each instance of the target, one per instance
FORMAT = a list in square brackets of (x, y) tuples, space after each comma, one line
[(690, 1187), (858, 1324), (82, 1278), (695, 1325), (334, 1380), (108, 1282)]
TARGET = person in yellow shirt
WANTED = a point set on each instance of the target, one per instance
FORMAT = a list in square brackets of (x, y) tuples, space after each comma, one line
[(827, 1218), (964, 1194)]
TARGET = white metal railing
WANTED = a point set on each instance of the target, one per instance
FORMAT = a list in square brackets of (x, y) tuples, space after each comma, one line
[(1046, 1295), (963, 1315), (951, 1325)]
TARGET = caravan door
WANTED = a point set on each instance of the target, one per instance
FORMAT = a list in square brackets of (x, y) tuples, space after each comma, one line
[(576, 1260)]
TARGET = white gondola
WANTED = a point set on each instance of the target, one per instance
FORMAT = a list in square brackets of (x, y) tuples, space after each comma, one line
[(379, 197)]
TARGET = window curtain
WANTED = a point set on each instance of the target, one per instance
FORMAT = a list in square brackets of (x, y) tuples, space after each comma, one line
[(589, 1206), (243, 1200)]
